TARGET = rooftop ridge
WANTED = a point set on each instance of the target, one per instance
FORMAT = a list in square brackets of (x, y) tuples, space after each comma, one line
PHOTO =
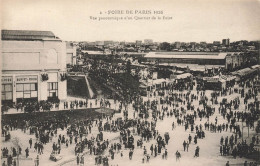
[(27, 35)]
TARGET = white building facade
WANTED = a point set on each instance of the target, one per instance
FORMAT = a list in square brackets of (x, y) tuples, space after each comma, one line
[(33, 66), (71, 57)]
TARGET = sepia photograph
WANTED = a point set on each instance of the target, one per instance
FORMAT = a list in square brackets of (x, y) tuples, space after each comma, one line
[(130, 82)]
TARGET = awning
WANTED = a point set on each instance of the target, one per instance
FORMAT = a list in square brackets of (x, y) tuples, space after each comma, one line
[(255, 67), (182, 76), (245, 71)]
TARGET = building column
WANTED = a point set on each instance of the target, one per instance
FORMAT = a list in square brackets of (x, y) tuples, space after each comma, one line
[(62, 90), (14, 89)]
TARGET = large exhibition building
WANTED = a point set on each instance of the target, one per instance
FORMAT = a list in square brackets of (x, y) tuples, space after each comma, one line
[(227, 60), (33, 66)]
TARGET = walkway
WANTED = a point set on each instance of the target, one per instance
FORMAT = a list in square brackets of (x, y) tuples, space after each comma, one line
[(91, 94)]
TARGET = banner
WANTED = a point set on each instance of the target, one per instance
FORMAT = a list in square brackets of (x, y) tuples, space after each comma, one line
[(211, 79)]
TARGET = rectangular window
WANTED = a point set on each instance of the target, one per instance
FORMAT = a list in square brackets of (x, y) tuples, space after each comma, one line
[(8, 87), (52, 89), (7, 92), (3, 96), (9, 95), (19, 94), (27, 87), (19, 87), (26, 90), (34, 94), (33, 87), (26, 95)]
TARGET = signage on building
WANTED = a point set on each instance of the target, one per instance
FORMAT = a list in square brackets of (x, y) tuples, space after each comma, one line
[(211, 79), (7, 80), (26, 79)]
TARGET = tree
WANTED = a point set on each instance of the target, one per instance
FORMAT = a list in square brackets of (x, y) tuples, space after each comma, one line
[(165, 46), (128, 67), (30, 107), (4, 108)]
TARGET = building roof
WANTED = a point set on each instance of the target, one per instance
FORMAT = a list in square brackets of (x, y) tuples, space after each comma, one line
[(93, 52), (255, 66), (27, 35), (243, 72), (186, 55), (184, 75)]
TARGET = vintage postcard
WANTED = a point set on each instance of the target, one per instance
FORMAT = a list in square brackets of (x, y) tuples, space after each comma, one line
[(130, 82)]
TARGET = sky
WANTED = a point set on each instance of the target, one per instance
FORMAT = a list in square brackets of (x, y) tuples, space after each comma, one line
[(192, 20)]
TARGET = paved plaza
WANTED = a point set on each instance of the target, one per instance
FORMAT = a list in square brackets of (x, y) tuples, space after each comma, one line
[(209, 146)]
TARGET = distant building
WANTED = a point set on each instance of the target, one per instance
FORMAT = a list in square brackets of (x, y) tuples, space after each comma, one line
[(243, 42), (148, 41), (116, 43), (138, 42), (33, 66), (225, 42), (234, 60), (71, 57), (122, 43), (216, 43), (177, 45), (108, 42), (99, 43), (93, 54), (227, 60), (193, 45), (91, 43), (203, 44)]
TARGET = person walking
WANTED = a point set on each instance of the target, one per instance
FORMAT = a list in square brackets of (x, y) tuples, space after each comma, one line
[(78, 159), (30, 142), (27, 152), (155, 151), (221, 150), (227, 164), (178, 155), (37, 161), (82, 160), (130, 154), (151, 148), (165, 154), (190, 138), (184, 145), (197, 152)]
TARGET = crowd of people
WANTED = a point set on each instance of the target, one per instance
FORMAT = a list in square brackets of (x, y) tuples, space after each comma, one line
[(183, 105)]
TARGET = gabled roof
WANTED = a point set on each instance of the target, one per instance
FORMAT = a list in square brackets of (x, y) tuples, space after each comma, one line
[(27, 35)]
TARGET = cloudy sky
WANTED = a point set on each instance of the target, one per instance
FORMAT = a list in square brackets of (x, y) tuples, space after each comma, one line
[(192, 20)]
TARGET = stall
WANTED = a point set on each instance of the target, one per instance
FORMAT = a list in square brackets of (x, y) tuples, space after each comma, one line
[(244, 74), (214, 83)]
